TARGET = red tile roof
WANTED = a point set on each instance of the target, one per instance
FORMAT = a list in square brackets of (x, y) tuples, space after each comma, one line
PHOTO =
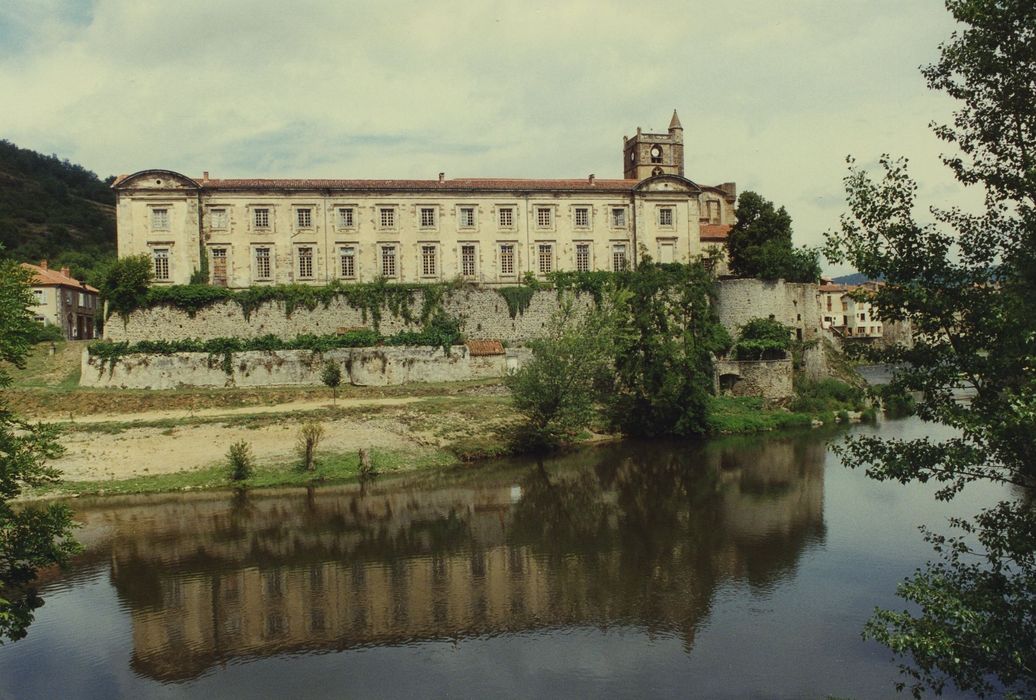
[(45, 277), (483, 348), (715, 232), (455, 185), (833, 288)]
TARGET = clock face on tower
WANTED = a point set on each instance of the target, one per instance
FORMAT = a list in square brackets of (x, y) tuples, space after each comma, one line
[(656, 151)]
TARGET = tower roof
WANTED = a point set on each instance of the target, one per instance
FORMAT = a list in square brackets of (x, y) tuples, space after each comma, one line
[(674, 123)]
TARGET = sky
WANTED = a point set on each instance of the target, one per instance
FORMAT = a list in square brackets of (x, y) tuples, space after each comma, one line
[(772, 95)]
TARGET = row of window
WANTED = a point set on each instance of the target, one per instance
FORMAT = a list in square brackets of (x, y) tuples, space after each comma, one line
[(86, 301), (389, 261), (427, 217)]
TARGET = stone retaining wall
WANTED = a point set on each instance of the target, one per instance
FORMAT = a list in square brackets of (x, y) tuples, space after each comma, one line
[(770, 379), (483, 314), (378, 366)]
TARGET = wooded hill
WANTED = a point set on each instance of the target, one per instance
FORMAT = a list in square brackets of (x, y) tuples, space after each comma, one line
[(55, 210)]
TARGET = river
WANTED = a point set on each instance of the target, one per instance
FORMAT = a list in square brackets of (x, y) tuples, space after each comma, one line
[(742, 567)]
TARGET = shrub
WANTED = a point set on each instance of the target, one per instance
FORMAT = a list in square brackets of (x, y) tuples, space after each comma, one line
[(306, 444), (332, 378), (124, 284), (763, 339), (242, 464), (827, 395), (47, 333)]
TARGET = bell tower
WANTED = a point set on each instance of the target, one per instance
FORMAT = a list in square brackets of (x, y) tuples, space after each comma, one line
[(646, 154)]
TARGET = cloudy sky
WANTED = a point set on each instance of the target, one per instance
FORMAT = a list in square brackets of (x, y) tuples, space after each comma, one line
[(772, 95)]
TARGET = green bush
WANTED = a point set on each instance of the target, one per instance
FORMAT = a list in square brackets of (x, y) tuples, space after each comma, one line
[(124, 284), (827, 395), (763, 339), (242, 464), (47, 333)]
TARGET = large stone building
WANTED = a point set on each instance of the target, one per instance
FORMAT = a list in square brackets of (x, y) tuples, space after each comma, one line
[(63, 301), (491, 231)]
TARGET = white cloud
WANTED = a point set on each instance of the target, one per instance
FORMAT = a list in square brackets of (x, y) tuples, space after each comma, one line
[(772, 95)]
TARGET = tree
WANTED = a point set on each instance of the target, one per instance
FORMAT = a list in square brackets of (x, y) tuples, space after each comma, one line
[(124, 283), (967, 282), (331, 376), (556, 390), (667, 334), (35, 536), (760, 244), (763, 339)]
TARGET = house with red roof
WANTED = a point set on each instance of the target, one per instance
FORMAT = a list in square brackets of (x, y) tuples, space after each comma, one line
[(64, 301)]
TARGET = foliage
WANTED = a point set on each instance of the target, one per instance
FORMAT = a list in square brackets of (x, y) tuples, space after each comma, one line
[(760, 244), (517, 298), (306, 444), (53, 210), (47, 333), (555, 392), (596, 283), (36, 536), (828, 394), (667, 333), (371, 298), (763, 339), (331, 376), (748, 414), (439, 334), (124, 284), (967, 284), (242, 464)]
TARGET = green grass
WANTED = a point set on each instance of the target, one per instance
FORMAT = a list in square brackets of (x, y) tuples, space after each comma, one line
[(730, 414), (330, 468)]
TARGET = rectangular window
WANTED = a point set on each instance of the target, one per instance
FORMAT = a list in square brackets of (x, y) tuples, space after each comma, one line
[(507, 259), (467, 217), (467, 260), (427, 217), (506, 217), (219, 267), (582, 217), (161, 259), (388, 261), (428, 268), (262, 263), (387, 217), (545, 258), (304, 218), (543, 217), (347, 262), (41, 296), (582, 257), (712, 208), (82, 299), (261, 218), (218, 218), (160, 219), (345, 217), (304, 255), (618, 217), (618, 258), (665, 216)]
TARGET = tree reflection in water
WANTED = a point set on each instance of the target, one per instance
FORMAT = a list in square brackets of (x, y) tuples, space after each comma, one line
[(638, 534)]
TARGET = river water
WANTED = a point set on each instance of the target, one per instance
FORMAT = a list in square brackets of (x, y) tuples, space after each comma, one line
[(738, 568)]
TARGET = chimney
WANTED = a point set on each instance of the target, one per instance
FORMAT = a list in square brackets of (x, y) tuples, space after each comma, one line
[(43, 264), (65, 272), (442, 177), (591, 178), (205, 175)]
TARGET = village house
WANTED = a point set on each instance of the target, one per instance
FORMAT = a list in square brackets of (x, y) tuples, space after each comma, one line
[(490, 231), (845, 315), (63, 301)]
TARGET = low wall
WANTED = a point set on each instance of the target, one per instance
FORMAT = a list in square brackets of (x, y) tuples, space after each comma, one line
[(380, 366), (770, 379)]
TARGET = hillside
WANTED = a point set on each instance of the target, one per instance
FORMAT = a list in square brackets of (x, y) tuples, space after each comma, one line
[(855, 278), (53, 209)]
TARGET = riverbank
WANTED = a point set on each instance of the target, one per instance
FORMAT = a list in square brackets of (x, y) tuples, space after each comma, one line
[(184, 434)]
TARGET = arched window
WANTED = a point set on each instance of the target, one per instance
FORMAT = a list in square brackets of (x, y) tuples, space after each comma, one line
[(656, 171)]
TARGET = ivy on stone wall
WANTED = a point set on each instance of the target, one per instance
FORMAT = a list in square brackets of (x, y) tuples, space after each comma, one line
[(371, 299), (440, 331)]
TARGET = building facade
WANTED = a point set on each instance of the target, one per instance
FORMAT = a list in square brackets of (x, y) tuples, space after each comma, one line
[(63, 301), (489, 231), (846, 314)]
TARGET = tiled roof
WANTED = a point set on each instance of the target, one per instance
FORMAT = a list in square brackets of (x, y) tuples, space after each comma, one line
[(482, 348), (715, 232), (833, 288), (54, 278), (455, 185)]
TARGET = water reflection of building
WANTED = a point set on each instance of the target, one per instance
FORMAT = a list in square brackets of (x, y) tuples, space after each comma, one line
[(623, 536)]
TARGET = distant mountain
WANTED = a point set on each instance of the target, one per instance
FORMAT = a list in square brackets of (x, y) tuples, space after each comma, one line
[(53, 209), (855, 278)]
